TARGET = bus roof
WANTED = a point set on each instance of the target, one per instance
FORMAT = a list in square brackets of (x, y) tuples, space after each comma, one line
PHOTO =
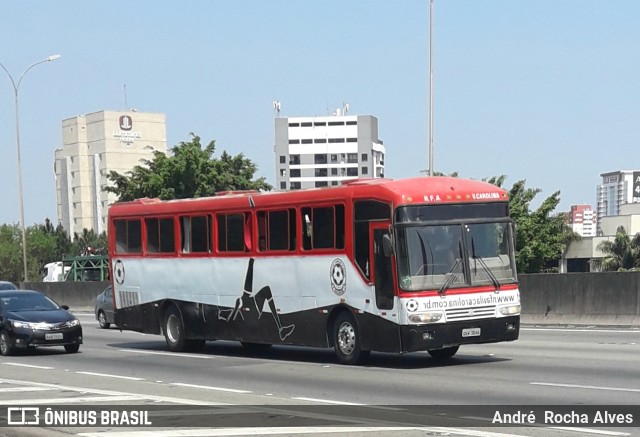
[(419, 190)]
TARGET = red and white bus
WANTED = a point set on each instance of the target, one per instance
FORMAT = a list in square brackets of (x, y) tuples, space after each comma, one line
[(372, 265)]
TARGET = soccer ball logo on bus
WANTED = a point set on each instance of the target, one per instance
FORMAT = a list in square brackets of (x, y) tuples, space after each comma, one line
[(338, 276)]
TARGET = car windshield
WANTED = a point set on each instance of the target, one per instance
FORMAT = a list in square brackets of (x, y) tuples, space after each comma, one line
[(27, 302), (7, 286), (439, 257)]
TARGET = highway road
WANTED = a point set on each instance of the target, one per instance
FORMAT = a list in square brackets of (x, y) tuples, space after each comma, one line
[(227, 390)]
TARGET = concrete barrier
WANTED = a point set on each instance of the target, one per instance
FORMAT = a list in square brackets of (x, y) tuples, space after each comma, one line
[(603, 299), (607, 298), (79, 296)]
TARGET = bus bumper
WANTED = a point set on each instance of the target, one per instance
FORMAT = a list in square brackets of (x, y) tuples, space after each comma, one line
[(438, 336)]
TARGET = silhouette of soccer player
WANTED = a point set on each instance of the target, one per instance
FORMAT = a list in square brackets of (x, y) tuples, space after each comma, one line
[(258, 299)]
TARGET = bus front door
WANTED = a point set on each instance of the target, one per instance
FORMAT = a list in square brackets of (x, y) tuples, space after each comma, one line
[(382, 269)]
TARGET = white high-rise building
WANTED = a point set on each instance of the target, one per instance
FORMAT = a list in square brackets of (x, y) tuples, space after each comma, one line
[(323, 151), (617, 188), (92, 146)]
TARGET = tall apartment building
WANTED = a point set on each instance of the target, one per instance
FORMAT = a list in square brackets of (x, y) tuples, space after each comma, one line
[(617, 188), (322, 151), (92, 146), (582, 220)]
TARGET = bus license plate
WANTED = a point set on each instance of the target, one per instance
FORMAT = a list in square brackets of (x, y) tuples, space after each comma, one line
[(56, 336), (471, 332)]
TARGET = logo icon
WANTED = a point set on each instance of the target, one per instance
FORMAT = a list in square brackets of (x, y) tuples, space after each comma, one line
[(412, 306), (126, 122), (118, 272), (23, 416), (338, 277)]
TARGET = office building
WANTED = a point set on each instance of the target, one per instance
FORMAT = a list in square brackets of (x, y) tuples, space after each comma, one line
[(92, 146), (617, 188), (325, 150)]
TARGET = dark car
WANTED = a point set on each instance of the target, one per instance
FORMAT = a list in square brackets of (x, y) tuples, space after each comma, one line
[(5, 285), (104, 308), (29, 319)]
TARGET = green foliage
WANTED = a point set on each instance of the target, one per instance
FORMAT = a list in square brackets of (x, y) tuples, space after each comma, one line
[(10, 253), (621, 254), (88, 243), (191, 171), (45, 244), (541, 236)]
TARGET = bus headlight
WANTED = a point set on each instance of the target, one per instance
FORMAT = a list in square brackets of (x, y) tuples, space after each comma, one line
[(425, 317), (509, 310)]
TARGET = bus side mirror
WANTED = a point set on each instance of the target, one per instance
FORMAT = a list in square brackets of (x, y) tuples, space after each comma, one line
[(387, 246)]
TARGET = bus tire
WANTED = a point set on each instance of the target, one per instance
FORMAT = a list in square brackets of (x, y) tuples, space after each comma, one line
[(347, 341), (443, 354), (173, 329)]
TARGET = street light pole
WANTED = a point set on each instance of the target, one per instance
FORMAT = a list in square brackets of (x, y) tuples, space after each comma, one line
[(16, 87), (431, 87)]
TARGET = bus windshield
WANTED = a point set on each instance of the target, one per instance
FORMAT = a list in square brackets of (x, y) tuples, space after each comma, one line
[(439, 257)]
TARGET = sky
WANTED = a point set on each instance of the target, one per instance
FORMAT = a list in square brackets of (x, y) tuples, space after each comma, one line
[(545, 91)]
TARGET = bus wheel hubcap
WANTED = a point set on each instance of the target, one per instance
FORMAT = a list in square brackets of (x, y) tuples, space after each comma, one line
[(346, 338), (173, 328)]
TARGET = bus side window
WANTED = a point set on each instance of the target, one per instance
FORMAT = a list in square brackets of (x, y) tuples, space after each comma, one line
[(160, 235), (128, 236), (231, 233), (323, 227), (196, 234)]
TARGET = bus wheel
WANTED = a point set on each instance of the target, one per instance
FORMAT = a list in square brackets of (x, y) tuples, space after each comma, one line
[(346, 340), (443, 354), (174, 330)]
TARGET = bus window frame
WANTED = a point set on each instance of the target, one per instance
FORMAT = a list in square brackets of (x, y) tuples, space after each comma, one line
[(145, 236), (127, 219), (247, 229), (304, 224)]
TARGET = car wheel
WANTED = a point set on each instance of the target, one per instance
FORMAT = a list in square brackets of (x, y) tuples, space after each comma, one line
[(346, 340), (443, 354), (102, 320), (71, 348), (5, 344)]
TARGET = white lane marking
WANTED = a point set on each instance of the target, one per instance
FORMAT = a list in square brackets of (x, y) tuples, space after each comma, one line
[(170, 354), (327, 401), (208, 387), (624, 331), (333, 430), (108, 375), (23, 389), (588, 387), (94, 391), (31, 366), (83, 399)]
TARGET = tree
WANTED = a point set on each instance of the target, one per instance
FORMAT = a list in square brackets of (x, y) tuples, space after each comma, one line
[(191, 171), (540, 235), (88, 243), (10, 253), (621, 254)]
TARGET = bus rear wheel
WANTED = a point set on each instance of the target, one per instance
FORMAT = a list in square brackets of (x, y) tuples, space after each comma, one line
[(347, 341), (174, 330), (443, 354)]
